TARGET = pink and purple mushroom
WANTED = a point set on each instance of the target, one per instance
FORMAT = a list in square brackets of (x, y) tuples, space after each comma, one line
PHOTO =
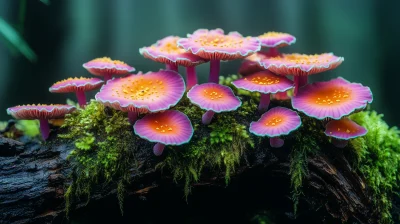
[(166, 51), (266, 83), (78, 86), (170, 127), (143, 93), (343, 130), (276, 122), (251, 64), (107, 67), (41, 112), (214, 98), (332, 99), (215, 46), (301, 65), (275, 40)]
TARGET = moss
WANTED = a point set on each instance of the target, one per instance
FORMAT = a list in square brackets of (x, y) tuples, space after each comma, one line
[(378, 159), (103, 149)]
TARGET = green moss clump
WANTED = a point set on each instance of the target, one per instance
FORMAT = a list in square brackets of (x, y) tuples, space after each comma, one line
[(378, 159), (104, 145)]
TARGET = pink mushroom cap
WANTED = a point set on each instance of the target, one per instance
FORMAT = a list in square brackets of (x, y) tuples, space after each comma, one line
[(276, 122), (301, 64), (214, 97), (40, 111), (215, 45), (167, 51), (149, 92), (107, 66), (251, 64), (276, 39), (76, 84), (170, 127), (264, 82), (344, 129), (332, 99)]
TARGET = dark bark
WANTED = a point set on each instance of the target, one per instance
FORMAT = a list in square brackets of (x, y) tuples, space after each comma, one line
[(33, 177)]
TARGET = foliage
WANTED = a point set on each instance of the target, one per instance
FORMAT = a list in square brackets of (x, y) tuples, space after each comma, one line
[(103, 151), (28, 127), (378, 159)]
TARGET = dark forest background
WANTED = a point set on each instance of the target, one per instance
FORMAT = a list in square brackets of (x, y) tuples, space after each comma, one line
[(63, 34)]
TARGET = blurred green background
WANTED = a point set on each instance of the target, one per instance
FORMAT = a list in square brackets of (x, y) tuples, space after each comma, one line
[(58, 36)]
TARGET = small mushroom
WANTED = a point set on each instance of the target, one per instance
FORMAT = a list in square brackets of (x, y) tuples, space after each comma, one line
[(170, 127), (275, 40), (301, 65), (167, 51), (276, 122), (77, 85), (41, 112), (143, 93), (214, 98), (264, 82), (332, 99), (342, 130), (107, 67), (215, 46)]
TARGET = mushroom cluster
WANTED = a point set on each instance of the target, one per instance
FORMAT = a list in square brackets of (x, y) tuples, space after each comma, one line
[(148, 98)]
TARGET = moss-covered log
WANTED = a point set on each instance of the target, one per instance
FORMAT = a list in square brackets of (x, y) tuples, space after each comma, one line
[(33, 179)]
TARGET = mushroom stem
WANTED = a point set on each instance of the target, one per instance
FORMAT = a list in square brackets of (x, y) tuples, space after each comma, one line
[(339, 142), (299, 81), (158, 149), (276, 142), (107, 77), (214, 71), (172, 67), (132, 117), (273, 52), (80, 95), (207, 117), (191, 77), (44, 128), (264, 102)]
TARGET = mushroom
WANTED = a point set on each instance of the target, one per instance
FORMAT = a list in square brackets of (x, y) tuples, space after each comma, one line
[(107, 68), (216, 46), (301, 65), (214, 98), (264, 82), (342, 130), (275, 40), (332, 99), (77, 85), (276, 122), (251, 64), (166, 51), (143, 93), (170, 127), (41, 112)]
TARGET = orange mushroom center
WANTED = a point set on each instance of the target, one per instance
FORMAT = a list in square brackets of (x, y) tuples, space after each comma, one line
[(170, 47), (344, 126), (274, 120), (272, 34), (140, 89), (221, 41), (302, 59), (263, 80), (213, 94), (109, 60), (331, 96), (163, 125)]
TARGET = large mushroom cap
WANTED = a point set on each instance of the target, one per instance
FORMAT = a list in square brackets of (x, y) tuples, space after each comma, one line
[(251, 64), (40, 111), (344, 129), (153, 91), (170, 127), (276, 122), (167, 51), (214, 97), (301, 64), (105, 66), (332, 99), (215, 45), (76, 84), (276, 39), (264, 82)]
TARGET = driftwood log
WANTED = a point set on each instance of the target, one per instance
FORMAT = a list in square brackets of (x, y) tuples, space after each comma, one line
[(34, 176)]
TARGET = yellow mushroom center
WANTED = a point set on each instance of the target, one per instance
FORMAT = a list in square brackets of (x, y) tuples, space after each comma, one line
[(163, 125), (264, 80), (213, 94), (220, 41), (140, 89), (302, 59), (272, 34), (274, 121), (331, 96), (109, 60)]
